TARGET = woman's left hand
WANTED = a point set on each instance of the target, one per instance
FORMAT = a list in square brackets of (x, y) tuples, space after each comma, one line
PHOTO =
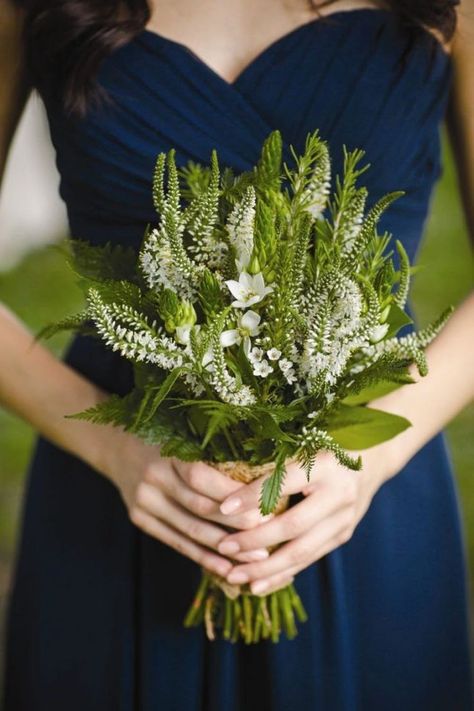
[(336, 499)]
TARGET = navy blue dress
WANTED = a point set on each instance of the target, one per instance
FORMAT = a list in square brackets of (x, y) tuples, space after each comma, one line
[(95, 620)]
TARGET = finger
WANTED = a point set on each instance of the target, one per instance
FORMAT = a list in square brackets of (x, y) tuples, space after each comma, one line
[(250, 556), (264, 586), (293, 522), (168, 535), (299, 552), (197, 529), (248, 496), (169, 481), (206, 479), (203, 506), (276, 582)]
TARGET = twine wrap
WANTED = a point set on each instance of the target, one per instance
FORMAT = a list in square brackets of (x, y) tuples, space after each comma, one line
[(245, 473)]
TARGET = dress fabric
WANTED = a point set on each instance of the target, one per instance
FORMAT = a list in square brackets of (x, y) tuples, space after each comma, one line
[(96, 611)]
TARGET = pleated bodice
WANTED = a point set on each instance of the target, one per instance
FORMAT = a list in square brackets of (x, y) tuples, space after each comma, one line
[(360, 77)]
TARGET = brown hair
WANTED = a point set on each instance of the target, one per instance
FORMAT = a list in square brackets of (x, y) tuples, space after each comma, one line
[(66, 40)]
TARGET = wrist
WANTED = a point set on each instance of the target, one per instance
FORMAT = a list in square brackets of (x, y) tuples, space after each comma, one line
[(381, 463)]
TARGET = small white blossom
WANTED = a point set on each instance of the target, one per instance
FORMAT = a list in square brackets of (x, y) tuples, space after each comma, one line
[(262, 368), (290, 376), (255, 355), (273, 353), (285, 365)]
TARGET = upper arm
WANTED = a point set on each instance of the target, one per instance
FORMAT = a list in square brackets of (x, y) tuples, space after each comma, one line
[(461, 109), (14, 86)]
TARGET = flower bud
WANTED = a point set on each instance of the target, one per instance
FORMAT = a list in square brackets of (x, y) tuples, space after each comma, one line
[(254, 266), (186, 315), (384, 314)]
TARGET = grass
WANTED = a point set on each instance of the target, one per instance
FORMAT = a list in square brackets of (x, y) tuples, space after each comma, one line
[(41, 289)]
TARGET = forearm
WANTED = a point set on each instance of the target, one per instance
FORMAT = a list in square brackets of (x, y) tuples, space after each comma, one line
[(460, 113), (42, 390), (435, 399)]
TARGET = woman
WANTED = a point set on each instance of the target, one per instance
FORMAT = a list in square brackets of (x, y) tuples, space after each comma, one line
[(110, 527)]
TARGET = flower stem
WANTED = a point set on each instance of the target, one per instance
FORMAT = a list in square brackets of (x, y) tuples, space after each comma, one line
[(301, 613), (227, 618), (230, 442), (196, 605), (247, 606)]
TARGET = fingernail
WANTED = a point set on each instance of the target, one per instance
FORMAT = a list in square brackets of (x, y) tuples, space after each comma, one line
[(258, 554), (238, 576), (259, 586), (228, 547), (231, 505), (222, 570)]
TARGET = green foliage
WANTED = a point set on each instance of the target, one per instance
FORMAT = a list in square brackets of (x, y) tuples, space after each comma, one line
[(261, 316), (76, 322), (271, 489), (153, 397), (99, 263), (358, 428)]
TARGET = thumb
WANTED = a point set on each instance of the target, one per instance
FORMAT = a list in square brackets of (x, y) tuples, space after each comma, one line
[(248, 496)]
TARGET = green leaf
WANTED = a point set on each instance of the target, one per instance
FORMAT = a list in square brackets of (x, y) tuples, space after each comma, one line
[(268, 169), (217, 422), (271, 489), (116, 291), (76, 322), (116, 410), (268, 428), (397, 318), (109, 261), (373, 391), (155, 396), (363, 427), (182, 448)]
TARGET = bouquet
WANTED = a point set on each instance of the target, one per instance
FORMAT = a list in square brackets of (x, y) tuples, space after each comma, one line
[(261, 317)]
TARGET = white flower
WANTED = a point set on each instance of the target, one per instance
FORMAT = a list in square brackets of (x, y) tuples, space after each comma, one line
[(273, 353), (285, 365), (290, 376), (248, 290), (313, 414), (255, 355), (262, 368), (242, 261), (247, 326)]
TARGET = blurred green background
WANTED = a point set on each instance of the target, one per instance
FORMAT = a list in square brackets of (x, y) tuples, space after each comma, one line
[(41, 289)]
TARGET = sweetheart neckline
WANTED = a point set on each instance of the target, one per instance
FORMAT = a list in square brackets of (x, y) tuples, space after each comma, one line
[(323, 20)]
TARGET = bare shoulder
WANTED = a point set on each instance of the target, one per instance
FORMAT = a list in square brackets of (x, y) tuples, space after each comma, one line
[(462, 44), (11, 20), (14, 89)]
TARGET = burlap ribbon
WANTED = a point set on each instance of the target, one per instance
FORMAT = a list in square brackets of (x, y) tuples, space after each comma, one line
[(245, 473)]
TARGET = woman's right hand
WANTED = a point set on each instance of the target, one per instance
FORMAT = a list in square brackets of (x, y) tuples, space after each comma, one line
[(178, 502)]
